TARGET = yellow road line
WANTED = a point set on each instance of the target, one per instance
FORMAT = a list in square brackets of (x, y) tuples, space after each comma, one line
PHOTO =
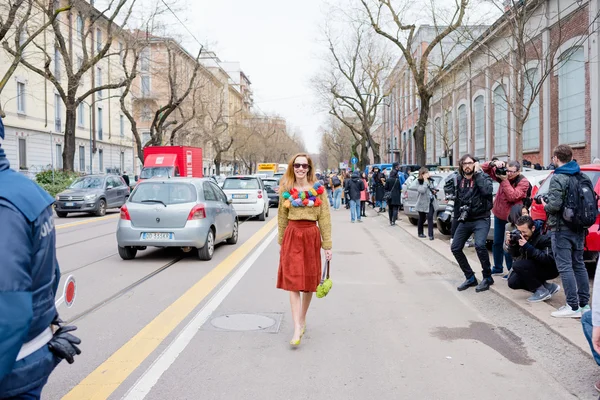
[(87, 221), (105, 379)]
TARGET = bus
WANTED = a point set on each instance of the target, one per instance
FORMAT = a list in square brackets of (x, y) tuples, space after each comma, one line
[(266, 169)]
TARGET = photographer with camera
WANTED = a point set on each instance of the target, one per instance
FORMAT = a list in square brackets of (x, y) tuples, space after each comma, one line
[(514, 189), (472, 212), (533, 259)]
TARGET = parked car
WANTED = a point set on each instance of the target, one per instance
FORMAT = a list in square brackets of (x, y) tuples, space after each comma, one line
[(92, 194), (247, 193), (592, 240), (272, 189), (191, 213), (410, 195)]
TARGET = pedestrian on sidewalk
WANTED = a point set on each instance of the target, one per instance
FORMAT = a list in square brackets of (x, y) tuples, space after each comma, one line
[(567, 241), (472, 212), (364, 195), (427, 202), (347, 179), (304, 225), (378, 187), (354, 187), (393, 186), (533, 262), (328, 188), (590, 322), (32, 338), (336, 184), (514, 189)]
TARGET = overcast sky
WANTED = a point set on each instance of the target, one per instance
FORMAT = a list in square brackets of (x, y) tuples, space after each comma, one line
[(275, 42)]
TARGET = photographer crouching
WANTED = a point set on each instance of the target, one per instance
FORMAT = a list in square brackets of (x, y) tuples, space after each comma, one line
[(533, 261), (514, 189), (472, 212)]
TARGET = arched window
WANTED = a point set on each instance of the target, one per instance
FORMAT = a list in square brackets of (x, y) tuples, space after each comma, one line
[(479, 122), (531, 128), (500, 121), (462, 129), (571, 96), (438, 137)]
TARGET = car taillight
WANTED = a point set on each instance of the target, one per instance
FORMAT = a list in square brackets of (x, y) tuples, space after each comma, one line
[(198, 212), (125, 213), (260, 194)]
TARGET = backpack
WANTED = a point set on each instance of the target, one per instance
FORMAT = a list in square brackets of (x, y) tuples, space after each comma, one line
[(580, 205), (336, 181), (527, 201)]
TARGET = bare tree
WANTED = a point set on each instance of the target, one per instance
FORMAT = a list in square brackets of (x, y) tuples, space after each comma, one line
[(401, 31), (353, 87), (336, 142)]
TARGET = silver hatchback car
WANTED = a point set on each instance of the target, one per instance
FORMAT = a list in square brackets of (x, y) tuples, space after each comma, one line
[(178, 212)]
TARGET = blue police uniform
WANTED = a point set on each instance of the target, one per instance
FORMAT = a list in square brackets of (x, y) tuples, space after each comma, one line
[(29, 276)]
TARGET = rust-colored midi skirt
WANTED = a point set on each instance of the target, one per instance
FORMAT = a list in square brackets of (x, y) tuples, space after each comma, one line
[(300, 257)]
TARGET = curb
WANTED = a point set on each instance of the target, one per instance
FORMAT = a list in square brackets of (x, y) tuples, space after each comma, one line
[(567, 332)]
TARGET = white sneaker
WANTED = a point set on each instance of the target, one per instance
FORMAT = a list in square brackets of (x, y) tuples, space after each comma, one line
[(567, 312)]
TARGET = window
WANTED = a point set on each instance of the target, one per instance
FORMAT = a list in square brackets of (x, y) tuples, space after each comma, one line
[(57, 63), (100, 160), (531, 128), (500, 121), (462, 129), (145, 60), (209, 195), (22, 153), (479, 111), (571, 96), (145, 138), (80, 115), (23, 36), (98, 39), (81, 158), (59, 160), (100, 123), (99, 80), (57, 112), (21, 97), (168, 193), (429, 143), (145, 85), (219, 193), (122, 161), (79, 26), (438, 136), (122, 125), (146, 113)]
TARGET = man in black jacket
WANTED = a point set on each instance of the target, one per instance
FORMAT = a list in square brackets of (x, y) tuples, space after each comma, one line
[(353, 187), (533, 260), (472, 214)]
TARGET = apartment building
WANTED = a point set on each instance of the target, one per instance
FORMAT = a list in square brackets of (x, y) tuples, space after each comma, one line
[(35, 113)]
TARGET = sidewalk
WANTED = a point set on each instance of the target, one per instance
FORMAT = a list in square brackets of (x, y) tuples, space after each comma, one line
[(569, 329)]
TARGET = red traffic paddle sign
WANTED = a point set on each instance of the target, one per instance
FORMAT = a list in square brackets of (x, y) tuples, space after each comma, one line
[(69, 292)]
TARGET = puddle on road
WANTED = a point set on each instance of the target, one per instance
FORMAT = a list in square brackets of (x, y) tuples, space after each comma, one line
[(502, 340)]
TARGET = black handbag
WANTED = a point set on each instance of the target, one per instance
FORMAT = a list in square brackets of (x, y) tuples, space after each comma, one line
[(387, 196)]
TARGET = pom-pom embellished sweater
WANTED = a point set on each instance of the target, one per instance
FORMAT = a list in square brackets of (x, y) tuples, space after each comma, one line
[(320, 214)]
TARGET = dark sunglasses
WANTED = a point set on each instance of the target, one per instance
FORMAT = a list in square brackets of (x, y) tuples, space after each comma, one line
[(298, 166)]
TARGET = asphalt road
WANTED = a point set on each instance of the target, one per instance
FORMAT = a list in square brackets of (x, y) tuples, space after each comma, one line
[(393, 326)]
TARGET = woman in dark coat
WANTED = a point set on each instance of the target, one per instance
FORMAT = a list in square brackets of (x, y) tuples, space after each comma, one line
[(394, 186), (378, 187), (427, 202)]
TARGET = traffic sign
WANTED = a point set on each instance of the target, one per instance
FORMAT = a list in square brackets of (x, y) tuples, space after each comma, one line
[(354, 160), (69, 293)]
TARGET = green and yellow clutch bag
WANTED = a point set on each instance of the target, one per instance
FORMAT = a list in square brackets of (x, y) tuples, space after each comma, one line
[(326, 284)]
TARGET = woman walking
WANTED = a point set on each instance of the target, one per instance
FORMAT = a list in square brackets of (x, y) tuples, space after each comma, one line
[(378, 185), (302, 205), (394, 186), (364, 195), (426, 202)]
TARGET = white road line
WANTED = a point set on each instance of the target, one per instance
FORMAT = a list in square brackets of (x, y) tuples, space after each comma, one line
[(147, 381)]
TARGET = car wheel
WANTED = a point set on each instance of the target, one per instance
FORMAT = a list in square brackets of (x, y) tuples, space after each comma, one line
[(127, 253), (61, 214), (267, 214), (206, 252), (234, 235), (443, 228), (101, 208), (413, 221), (261, 217)]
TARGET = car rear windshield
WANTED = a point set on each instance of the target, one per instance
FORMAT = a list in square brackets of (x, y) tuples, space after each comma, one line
[(89, 182), (167, 193), (593, 175), (241, 183), (156, 172)]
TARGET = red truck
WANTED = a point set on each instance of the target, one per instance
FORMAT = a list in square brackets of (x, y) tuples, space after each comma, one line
[(172, 161)]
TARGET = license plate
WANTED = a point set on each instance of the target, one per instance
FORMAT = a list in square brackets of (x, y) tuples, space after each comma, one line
[(157, 236), (412, 209), (69, 204), (239, 196)]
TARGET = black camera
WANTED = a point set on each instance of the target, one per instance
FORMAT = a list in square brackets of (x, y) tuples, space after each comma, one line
[(464, 213), (538, 198), (515, 236), (501, 171)]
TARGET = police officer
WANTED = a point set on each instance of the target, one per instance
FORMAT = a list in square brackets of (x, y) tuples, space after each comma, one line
[(32, 338)]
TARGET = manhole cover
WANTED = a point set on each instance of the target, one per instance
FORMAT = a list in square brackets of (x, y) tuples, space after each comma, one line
[(243, 322)]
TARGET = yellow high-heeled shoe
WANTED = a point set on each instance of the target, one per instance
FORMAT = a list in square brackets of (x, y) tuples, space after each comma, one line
[(296, 343)]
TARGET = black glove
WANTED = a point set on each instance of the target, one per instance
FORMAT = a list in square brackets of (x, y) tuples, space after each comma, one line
[(63, 344)]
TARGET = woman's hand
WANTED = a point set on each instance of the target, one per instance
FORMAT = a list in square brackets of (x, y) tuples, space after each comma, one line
[(328, 255)]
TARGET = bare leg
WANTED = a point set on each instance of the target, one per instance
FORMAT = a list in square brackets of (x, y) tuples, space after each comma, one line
[(296, 313), (306, 298)]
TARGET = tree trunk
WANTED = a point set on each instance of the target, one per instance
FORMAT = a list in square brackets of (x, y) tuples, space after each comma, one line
[(217, 162), (69, 150), (364, 157), (519, 138), (419, 133)]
